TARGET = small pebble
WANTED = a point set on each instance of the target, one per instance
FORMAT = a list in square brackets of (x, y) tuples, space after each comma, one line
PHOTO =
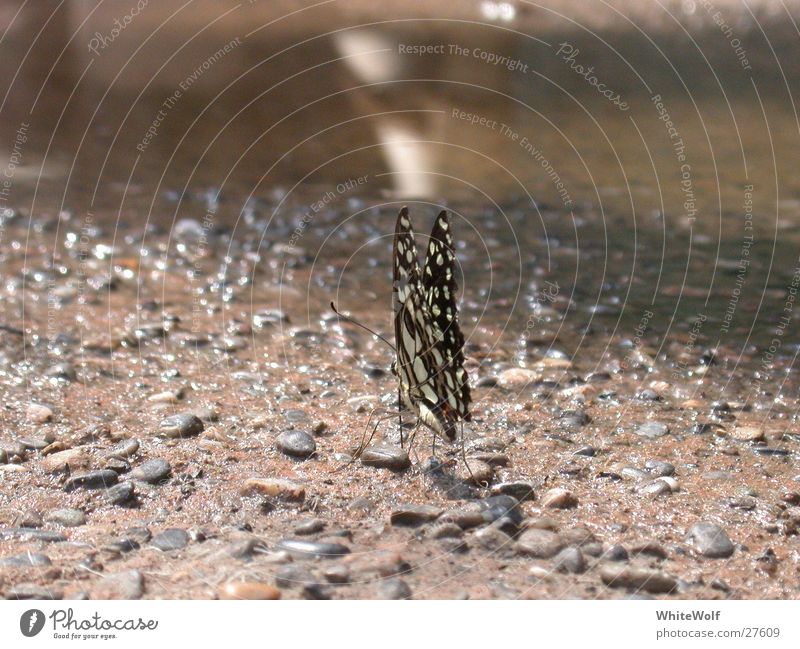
[(570, 560), (383, 455), (559, 499), (711, 540), (476, 472), (123, 585), (520, 490), (67, 517), (296, 443), (493, 539), (152, 471), (275, 488), (652, 581), (658, 468), (125, 449), (91, 480), (170, 539), (182, 425), (394, 588), (120, 494), (577, 536), (74, 458), (30, 534), (62, 371), (445, 531), (312, 549), (38, 414), (616, 552), (248, 590), (33, 591), (747, 434), (311, 526), (652, 430), (649, 547), (26, 560), (542, 544), (337, 573), (413, 515), (655, 488)]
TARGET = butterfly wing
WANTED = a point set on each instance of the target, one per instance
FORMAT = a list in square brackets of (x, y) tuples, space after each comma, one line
[(440, 287), (419, 358)]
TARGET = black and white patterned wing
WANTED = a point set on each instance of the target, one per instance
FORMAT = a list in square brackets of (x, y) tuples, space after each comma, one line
[(419, 359), (440, 288)]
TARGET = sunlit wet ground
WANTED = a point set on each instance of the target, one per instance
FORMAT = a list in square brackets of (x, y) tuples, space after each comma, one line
[(176, 222)]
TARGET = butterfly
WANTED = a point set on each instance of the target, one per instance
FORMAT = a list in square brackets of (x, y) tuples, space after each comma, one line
[(429, 366)]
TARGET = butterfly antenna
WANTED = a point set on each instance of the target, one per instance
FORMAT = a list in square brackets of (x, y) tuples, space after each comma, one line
[(347, 318)]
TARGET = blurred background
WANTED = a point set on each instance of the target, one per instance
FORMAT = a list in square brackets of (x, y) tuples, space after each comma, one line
[(306, 90)]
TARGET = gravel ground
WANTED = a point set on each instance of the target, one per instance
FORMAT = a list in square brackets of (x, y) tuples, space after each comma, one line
[(181, 425)]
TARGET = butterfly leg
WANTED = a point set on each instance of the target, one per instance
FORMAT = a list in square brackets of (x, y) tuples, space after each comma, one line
[(400, 415), (413, 435), (466, 464), (366, 439)]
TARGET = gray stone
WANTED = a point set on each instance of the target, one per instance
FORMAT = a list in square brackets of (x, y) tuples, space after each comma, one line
[(171, 539), (519, 489), (570, 560), (655, 488), (659, 468), (36, 443), (652, 581), (539, 543), (413, 515), (121, 493), (383, 455), (303, 549), (33, 591), (30, 534), (445, 531), (652, 429), (616, 552), (26, 560), (91, 480), (125, 449), (711, 540), (123, 585), (311, 526), (123, 545), (293, 575), (296, 443), (394, 588), (67, 517), (181, 425), (493, 539), (152, 471)]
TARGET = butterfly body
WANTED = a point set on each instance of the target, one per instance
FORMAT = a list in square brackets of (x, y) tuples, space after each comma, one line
[(433, 383)]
